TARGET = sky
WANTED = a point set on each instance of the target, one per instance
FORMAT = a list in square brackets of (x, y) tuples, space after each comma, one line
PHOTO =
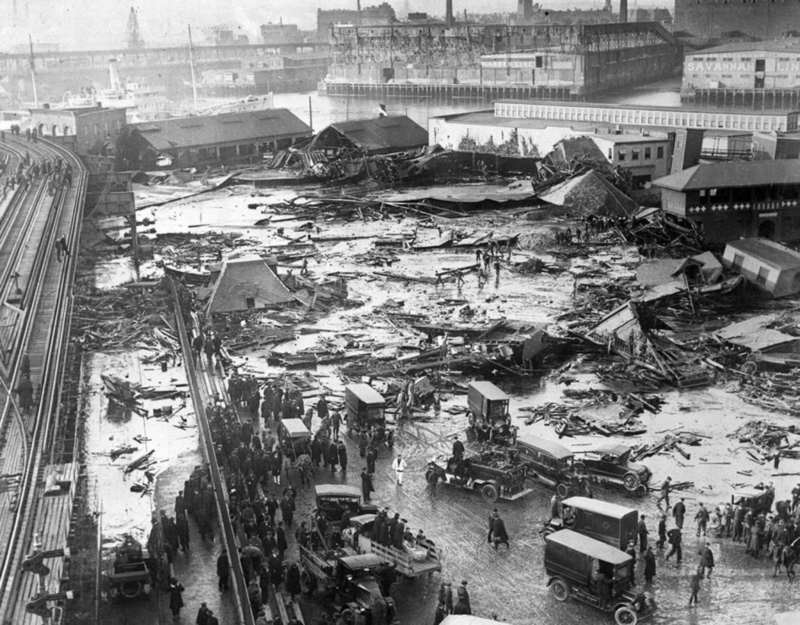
[(96, 24)]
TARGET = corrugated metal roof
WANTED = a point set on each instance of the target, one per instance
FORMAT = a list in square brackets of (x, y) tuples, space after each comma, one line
[(382, 134), (192, 132), (731, 175)]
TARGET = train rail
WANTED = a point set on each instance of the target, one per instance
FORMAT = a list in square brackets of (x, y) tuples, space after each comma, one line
[(40, 327)]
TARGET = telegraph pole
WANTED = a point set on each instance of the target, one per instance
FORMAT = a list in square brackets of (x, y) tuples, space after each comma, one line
[(191, 65), (32, 62)]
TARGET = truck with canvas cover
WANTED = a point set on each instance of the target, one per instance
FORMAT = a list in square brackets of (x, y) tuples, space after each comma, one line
[(416, 558), (595, 573), (601, 520)]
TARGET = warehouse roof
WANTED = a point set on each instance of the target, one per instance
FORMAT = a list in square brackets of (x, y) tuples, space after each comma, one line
[(225, 128), (377, 136), (735, 174), (247, 283), (792, 46)]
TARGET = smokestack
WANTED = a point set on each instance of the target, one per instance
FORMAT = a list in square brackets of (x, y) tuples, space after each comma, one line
[(623, 11), (449, 20), (525, 9)]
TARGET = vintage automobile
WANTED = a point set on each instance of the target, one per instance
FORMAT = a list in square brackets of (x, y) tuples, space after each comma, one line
[(333, 499), (752, 497), (294, 437), (601, 520), (415, 560), (495, 472), (576, 565), (553, 465), (610, 464), (365, 409), (349, 579), (489, 419), (129, 576)]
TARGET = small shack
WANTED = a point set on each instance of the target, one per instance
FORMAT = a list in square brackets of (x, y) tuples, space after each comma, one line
[(382, 135), (770, 266), (247, 284)]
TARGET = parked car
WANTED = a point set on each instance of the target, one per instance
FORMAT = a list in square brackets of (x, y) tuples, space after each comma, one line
[(333, 499), (752, 497), (610, 464), (365, 408), (552, 464), (129, 575), (489, 417), (601, 520), (574, 563), (294, 437), (493, 472)]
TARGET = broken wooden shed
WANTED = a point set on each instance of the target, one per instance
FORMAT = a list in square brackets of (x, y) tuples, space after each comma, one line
[(382, 135), (770, 266), (247, 284)]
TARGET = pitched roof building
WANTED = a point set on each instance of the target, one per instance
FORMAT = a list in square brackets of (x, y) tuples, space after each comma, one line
[(224, 137), (382, 135), (247, 284)]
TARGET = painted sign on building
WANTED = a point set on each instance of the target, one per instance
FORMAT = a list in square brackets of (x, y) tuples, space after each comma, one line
[(718, 67)]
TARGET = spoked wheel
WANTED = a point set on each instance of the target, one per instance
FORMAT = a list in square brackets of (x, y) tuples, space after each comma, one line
[(560, 589), (489, 492), (562, 490), (626, 616), (630, 481)]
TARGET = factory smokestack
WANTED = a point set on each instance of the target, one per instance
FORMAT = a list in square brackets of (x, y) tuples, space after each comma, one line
[(525, 9), (623, 11), (449, 20)]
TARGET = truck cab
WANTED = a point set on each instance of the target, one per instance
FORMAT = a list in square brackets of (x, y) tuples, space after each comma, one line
[(752, 497), (595, 573), (333, 499), (607, 522)]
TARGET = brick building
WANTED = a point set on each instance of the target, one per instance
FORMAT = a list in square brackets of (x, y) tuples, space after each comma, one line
[(367, 16), (95, 128)]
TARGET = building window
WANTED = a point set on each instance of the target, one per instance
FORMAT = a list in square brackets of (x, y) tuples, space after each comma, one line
[(648, 154), (763, 274), (610, 154), (250, 303), (660, 151), (635, 152), (621, 155), (738, 261)]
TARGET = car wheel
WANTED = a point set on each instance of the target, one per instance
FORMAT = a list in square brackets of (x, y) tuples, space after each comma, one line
[(430, 476), (562, 490), (626, 616), (559, 589), (130, 589), (580, 469), (308, 583), (631, 481), (641, 491), (489, 493)]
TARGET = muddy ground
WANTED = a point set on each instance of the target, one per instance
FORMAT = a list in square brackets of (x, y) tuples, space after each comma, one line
[(510, 583)]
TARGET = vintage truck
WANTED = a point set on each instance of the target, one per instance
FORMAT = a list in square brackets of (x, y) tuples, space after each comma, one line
[(757, 499), (576, 566), (607, 522), (294, 437), (494, 472), (610, 463), (365, 408), (419, 558), (489, 419), (552, 464), (351, 580), (129, 576)]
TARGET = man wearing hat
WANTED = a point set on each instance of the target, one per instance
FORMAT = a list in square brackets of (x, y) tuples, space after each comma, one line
[(706, 561), (202, 614), (463, 597)]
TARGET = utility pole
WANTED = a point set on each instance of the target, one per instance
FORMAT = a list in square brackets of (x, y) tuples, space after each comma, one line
[(32, 62), (191, 65)]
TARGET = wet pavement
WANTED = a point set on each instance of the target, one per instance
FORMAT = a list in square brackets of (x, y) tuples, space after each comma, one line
[(510, 583)]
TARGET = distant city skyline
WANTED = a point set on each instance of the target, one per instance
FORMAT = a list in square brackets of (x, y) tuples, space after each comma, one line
[(101, 24)]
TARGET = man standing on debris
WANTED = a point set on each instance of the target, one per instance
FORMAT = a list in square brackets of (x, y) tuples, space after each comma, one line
[(399, 466), (679, 512), (666, 487), (197, 346)]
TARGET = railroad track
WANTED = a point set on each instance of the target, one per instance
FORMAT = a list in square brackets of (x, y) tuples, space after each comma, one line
[(40, 327)]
